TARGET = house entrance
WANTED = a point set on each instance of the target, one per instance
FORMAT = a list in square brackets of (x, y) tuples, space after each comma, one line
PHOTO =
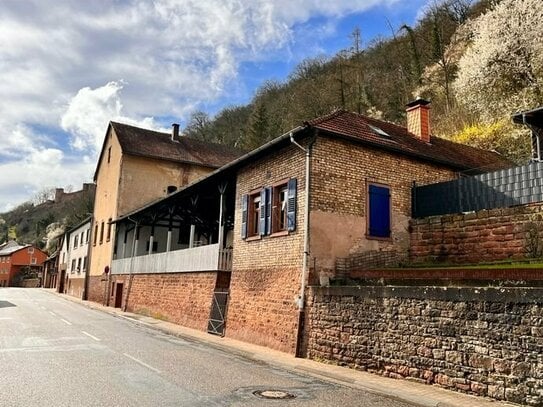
[(219, 304), (118, 295)]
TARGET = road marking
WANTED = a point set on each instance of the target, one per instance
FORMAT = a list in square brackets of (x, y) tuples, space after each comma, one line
[(90, 336), (52, 313), (43, 308), (66, 322), (5, 318), (141, 363)]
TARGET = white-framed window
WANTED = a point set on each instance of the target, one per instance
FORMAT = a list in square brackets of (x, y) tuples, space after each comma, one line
[(30, 249), (33, 260)]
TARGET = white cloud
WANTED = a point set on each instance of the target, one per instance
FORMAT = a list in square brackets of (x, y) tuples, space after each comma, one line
[(76, 65)]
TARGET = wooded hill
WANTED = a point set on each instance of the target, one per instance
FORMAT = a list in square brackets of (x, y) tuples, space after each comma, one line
[(380, 78), (39, 221)]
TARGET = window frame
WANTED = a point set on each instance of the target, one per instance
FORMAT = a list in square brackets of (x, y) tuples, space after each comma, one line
[(368, 235), (276, 189), (252, 196)]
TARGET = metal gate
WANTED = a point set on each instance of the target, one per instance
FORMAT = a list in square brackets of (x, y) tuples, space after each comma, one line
[(217, 316)]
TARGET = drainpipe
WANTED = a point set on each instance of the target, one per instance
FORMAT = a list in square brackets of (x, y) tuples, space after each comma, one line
[(134, 242), (305, 258), (86, 283)]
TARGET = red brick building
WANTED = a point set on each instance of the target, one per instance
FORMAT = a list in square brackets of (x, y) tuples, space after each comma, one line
[(261, 228), (15, 257)]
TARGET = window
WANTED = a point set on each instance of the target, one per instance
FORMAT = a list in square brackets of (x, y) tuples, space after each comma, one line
[(101, 232), (378, 211), (76, 239), (73, 266), (32, 260), (108, 229), (87, 236), (85, 263), (109, 155), (269, 210), (81, 237), (30, 250), (79, 265), (95, 234)]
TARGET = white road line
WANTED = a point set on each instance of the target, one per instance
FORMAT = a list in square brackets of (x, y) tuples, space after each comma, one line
[(90, 336), (66, 322), (52, 313), (5, 318), (141, 363), (43, 308)]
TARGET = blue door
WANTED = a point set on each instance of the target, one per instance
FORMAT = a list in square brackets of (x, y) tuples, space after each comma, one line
[(379, 211)]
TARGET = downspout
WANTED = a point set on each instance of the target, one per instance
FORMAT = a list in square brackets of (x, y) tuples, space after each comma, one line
[(89, 255), (305, 258), (136, 225)]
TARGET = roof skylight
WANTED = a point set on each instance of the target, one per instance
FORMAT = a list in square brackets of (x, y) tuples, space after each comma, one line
[(379, 131)]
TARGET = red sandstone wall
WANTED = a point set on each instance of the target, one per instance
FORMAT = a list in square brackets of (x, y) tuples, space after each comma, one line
[(262, 307), (181, 298), (490, 235)]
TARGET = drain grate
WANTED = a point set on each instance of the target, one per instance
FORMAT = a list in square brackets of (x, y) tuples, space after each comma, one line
[(274, 394)]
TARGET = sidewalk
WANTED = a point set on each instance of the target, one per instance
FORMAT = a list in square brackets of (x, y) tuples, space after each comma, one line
[(416, 393)]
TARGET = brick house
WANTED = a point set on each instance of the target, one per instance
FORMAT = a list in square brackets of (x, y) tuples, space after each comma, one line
[(15, 257), (135, 167), (283, 232)]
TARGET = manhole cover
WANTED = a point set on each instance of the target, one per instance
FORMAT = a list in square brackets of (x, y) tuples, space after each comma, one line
[(274, 394)]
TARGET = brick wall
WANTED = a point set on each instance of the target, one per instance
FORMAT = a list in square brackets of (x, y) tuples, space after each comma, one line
[(262, 307), (96, 289), (266, 272), (340, 173), (483, 341), (181, 298), (488, 235)]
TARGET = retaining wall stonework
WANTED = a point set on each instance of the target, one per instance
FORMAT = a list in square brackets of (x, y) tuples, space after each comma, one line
[(484, 341), (489, 235)]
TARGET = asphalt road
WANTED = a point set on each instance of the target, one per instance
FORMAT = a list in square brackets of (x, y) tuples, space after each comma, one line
[(54, 352)]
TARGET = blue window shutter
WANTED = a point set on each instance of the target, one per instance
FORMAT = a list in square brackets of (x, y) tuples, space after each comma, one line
[(268, 210), (379, 211), (262, 226), (291, 204), (244, 208)]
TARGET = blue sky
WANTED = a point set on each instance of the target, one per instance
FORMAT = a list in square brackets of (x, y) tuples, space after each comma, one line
[(68, 67)]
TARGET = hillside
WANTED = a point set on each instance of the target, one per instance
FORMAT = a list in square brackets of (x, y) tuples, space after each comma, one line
[(378, 79), (37, 222)]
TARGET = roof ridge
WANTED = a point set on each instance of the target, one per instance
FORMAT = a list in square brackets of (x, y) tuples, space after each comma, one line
[(320, 119)]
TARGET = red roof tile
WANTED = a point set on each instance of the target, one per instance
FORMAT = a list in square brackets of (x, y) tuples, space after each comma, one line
[(397, 138)]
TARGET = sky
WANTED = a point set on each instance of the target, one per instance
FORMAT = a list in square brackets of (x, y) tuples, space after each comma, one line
[(68, 67)]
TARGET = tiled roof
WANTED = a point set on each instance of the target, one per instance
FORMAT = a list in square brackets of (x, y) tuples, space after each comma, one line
[(397, 138), (11, 247), (154, 144)]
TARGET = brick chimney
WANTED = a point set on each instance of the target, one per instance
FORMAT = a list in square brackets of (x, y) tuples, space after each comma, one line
[(418, 119), (175, 131)]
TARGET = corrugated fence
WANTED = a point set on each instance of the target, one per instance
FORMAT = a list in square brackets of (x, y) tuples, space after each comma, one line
[(497, 189)]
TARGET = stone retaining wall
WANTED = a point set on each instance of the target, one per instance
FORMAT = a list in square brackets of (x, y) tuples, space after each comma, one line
[(489, 235), (483, 341)]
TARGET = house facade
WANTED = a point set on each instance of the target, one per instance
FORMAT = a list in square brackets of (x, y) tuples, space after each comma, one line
[(75, 254), (16, 258), (137, 166), (337, 186)]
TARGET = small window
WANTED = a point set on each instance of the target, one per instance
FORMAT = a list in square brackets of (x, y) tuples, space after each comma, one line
[(30, 250), (109, 229), (101, 232), (254, 214), (379, 131), (85, 263), (171, 189), (33, 260), (279, 208), (76, 239), (79, 265), (378, 218), (87, 236), (109, 155), (72, 270), (95, 233), (81, 238)]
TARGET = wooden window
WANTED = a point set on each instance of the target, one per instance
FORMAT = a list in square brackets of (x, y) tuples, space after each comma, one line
[(279, 207), (378, 213)]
